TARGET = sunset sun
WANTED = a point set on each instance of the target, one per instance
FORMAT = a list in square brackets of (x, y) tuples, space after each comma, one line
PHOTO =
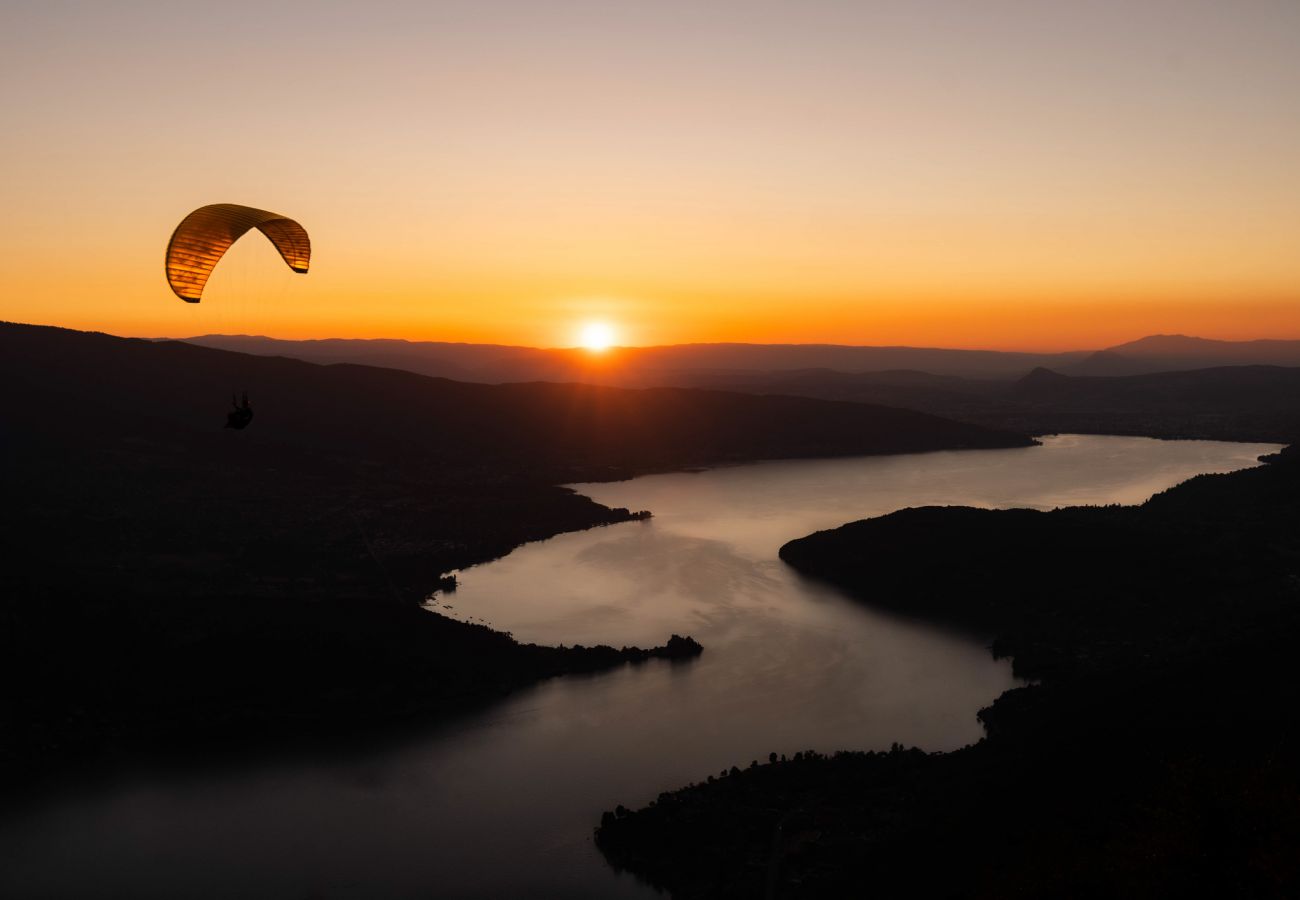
[(596, 336)]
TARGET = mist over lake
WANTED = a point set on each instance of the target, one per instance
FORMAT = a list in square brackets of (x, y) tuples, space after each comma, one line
[(502, 803)]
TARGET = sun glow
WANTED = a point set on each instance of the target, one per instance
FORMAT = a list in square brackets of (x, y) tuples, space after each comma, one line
[(596, 336)]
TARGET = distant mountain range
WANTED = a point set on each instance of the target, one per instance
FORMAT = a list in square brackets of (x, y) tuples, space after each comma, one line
[(1176, 352), (709, 365), (1163, 386), (118, 388)]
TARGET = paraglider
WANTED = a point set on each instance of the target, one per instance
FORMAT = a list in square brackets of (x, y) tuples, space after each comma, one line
[(204, 236)]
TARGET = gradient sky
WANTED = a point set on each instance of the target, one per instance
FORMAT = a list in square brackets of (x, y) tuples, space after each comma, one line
[(961, 173)]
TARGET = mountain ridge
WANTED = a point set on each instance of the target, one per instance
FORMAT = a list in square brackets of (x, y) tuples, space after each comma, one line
[(670, 364)]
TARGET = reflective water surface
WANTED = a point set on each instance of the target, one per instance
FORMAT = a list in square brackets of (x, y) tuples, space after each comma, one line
[(502, 803)]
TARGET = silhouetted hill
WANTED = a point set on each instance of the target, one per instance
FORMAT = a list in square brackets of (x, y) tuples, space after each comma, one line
[(1234, 402), (1157, 757), (1217, 404), (1109, 362), (129, 386), (1038, 381), (1247, 403), (167, 579), (1257, 388)]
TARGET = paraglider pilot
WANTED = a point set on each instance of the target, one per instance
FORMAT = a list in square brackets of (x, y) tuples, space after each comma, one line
[(241, 415), (202, 239)]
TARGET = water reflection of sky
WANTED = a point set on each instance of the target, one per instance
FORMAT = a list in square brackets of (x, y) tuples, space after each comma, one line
[(711, 548)]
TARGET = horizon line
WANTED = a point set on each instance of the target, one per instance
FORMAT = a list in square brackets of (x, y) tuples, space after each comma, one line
[(642, 347)]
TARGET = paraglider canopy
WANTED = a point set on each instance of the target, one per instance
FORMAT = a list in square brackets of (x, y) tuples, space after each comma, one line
[(204, 236)]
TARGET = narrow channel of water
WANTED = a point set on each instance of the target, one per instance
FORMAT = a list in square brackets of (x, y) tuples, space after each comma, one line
[(502, 803)]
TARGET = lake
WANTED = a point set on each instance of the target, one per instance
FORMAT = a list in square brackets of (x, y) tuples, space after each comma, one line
[(502, 803)]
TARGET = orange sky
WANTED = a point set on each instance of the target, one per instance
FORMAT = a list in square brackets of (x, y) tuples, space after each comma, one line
[(1002, 174)]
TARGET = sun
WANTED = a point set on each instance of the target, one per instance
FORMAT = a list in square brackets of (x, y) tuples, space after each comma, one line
[(596, 336)]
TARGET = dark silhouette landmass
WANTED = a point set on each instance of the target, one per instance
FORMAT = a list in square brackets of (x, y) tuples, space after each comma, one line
[(168, 580), (1248, 403), (1158, 756), (1238, 403), (1162, 386)]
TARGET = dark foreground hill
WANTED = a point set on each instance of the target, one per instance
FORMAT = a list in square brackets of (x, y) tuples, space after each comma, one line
[(1157, 757), (165, 579)]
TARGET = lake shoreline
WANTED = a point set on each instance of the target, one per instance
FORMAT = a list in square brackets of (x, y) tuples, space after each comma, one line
[(523, 774), (169, 741), (1164, 716)]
